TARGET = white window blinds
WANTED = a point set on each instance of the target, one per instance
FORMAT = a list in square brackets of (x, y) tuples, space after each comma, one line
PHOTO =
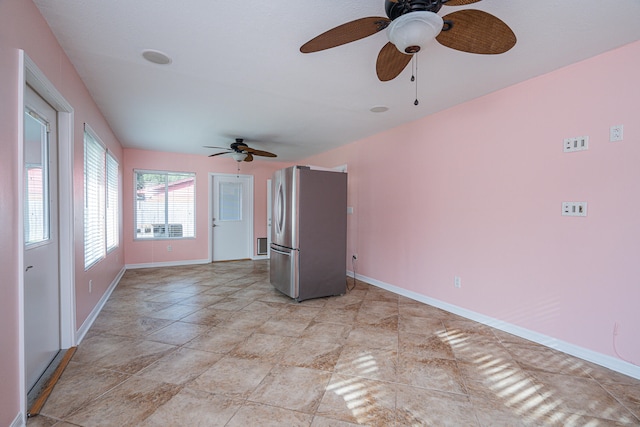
[(36, 180), (101, 196), (112, 203), (165, 205)]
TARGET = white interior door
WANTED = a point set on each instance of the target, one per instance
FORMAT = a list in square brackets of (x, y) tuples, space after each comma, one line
[(41, 251), (232, 217)]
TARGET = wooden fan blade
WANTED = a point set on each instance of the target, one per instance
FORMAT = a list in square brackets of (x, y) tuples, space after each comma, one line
[(259, 152), (390, 62), (249, 158), (217, 154), (346, 33), (475, 31), (219, 148), (459, 2)]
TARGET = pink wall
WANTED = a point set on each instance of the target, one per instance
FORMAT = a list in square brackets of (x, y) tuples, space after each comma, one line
[(9, 399), (22, 27), (476, 192), (144, 252), (478, 195)]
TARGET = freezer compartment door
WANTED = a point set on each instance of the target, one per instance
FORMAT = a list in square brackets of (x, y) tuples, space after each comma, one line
[(283, 270)]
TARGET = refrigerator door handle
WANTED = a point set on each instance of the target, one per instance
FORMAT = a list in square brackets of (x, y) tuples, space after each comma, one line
[(279, 209), (280, 252)]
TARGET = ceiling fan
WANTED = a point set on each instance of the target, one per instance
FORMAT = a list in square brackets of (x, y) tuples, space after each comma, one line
[(241, 151), (411, 24)]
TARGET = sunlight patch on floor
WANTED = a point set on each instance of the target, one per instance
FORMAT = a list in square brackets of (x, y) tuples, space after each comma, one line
[(361, 395), (510, 384), (366, 364)]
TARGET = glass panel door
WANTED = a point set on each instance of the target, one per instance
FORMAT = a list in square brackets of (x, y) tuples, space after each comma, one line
[(40, 231)]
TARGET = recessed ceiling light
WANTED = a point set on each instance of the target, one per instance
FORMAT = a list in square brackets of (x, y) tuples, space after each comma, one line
[(379, 109), (156, 57)]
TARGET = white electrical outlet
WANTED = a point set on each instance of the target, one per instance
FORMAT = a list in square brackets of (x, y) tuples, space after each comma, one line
[(574, 208), (615, 133), (90, 286), (169, 248), (577, 143), (457, 282)]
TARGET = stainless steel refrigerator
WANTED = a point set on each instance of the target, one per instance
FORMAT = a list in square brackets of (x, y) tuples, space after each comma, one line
[(309, 232)]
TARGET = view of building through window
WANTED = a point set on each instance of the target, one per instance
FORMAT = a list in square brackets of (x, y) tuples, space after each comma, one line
[(164, 205)]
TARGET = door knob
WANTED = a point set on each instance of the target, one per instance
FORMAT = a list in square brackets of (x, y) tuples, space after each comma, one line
[(28, 268)]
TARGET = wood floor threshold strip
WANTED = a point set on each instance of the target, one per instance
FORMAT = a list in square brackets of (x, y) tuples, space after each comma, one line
[(46, 391)]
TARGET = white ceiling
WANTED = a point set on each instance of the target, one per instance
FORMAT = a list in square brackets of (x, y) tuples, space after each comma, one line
[(237, 70)]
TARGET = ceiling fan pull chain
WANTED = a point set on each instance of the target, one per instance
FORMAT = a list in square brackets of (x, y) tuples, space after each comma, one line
[(415, 60), (413, 68)]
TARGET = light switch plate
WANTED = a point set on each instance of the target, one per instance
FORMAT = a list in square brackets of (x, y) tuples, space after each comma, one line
[(576, 143), (574, 208)]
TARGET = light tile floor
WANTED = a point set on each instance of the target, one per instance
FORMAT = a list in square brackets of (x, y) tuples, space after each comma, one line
[(216, 345)]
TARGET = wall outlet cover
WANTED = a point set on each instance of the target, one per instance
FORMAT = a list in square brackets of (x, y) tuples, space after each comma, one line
[(616, 133)]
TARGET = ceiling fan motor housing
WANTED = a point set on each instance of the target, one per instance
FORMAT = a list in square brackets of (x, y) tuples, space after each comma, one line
[(399, 8), (239, 145)]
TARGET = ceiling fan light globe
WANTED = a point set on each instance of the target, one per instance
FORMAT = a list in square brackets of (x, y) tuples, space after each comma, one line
[(412, 31), (238, 157)]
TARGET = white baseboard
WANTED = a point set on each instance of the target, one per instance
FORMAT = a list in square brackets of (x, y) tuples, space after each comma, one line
[(18, 421), (98, 308), (609, 362), (180, 263), (167, 264)]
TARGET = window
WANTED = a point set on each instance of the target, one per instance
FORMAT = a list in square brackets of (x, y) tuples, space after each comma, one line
[(165, 205), (230, 201), (112, 230), (36, 180), (101, 195)]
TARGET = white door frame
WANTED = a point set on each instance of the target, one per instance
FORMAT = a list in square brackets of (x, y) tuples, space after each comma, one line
[(210, 211), (269, 218), (28, 72)]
